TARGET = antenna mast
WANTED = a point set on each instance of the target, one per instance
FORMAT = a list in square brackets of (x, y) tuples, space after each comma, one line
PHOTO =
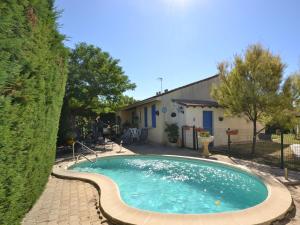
[(160, 79)]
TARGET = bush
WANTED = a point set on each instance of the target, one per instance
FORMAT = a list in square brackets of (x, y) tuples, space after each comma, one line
[(33, 72), (204, 134), (172, 131)]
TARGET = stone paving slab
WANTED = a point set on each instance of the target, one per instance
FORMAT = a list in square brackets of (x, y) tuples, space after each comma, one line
[(65, 202), (295, 192)]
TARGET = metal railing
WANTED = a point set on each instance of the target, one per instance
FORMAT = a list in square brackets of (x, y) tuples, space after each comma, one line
[(76, 158), (276, 149)]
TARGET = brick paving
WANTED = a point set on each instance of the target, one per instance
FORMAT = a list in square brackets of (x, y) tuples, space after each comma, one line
[(295, 191), (71, 202), (65, 202)]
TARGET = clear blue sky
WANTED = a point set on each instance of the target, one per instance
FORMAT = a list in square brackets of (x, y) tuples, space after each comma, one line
[(181, 40)]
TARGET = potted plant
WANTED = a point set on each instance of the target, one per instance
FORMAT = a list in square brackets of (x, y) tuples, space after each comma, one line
[(70, 137), (126, 125), (172, 131), (205, 138)]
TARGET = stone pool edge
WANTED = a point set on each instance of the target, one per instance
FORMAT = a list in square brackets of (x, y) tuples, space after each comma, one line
[(277, 204)]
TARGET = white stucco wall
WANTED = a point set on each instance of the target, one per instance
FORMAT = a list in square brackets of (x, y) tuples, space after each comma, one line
[(154, 134), (195, 91), (192, 116)]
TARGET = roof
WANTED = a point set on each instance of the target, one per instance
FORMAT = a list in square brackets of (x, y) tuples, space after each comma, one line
[(154, 98), (139, 103), (194, 103)]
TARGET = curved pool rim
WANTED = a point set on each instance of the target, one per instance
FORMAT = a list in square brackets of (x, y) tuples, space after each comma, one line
[(274, 207), (195, 206)]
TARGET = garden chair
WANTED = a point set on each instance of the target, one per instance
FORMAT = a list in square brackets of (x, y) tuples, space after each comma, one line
[(296, 150), (127, 137), (105, 143), (264, 137), (144, 135), (135, 133)]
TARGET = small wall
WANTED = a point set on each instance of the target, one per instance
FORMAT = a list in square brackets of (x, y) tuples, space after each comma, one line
[(193, 117), (155, 134)]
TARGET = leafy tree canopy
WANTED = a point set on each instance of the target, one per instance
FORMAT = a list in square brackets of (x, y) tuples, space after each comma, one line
[(96, 81), (292, 88), (251, 86), (123, 101), (288, 104)]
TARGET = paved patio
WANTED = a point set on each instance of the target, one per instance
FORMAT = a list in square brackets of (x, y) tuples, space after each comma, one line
[(74, 202), (66, 202)]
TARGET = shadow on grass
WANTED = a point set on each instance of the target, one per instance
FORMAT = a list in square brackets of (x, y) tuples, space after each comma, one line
[(266, 152)]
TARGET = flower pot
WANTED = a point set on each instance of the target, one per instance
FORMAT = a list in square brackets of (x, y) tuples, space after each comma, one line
[(206, 139), (172, 144), (70, 141), (205, 142), (106, 130)]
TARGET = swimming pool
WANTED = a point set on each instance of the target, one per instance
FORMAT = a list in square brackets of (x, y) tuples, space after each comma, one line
[(176, 185)]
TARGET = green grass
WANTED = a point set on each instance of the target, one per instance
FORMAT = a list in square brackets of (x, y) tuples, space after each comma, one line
[(267, 152), (287, 139)]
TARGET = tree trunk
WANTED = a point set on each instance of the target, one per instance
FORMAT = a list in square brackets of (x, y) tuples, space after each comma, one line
[(254, 138)]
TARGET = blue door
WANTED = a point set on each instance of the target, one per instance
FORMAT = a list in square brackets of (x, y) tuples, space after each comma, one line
[(208, 121)]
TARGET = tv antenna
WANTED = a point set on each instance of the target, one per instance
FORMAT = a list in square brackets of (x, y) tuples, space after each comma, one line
[(161, 80)]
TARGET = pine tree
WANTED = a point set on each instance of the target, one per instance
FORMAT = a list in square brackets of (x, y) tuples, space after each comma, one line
[(251, 86)]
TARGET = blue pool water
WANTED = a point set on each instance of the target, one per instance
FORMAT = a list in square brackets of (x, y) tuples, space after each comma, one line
[(179, 185)]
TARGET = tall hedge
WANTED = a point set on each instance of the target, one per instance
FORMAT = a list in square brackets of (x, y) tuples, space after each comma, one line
[(33, 72)]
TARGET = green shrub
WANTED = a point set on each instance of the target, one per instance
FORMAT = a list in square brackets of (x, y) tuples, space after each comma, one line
[(172, 131), (204, 134), (33, 70)]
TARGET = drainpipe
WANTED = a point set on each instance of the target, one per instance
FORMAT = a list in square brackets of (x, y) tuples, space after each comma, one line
[(194, 141), (281, 150)]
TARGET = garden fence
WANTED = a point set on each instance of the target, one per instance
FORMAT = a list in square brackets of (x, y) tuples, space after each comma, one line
[(276, 149)]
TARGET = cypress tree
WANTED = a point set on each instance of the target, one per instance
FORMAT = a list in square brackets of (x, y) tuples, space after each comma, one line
[(33, 72)]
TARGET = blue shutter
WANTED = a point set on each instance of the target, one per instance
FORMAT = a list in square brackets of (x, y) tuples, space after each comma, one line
[(145, 117), (208, 121), (153, 110)]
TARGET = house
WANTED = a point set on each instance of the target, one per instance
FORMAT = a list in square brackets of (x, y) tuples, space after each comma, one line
[(188, 106)]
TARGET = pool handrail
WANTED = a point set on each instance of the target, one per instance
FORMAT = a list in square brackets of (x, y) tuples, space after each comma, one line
[(86, 148)]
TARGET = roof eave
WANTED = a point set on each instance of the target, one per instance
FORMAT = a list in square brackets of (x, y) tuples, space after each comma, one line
[(139, 103)]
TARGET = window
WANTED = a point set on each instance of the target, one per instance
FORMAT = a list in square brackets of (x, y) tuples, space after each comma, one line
[(153, 113), (145, 117)]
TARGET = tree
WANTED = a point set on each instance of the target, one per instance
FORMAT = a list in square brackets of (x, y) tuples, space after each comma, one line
[(96, 84), (33, 73), (123, 101), (288, 104), (251, 86), (292, 88)]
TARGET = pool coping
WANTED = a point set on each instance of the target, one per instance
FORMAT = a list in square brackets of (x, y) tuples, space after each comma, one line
[(276, 205)]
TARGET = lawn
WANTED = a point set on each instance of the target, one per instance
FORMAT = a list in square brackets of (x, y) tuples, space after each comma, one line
[(267, 152)]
